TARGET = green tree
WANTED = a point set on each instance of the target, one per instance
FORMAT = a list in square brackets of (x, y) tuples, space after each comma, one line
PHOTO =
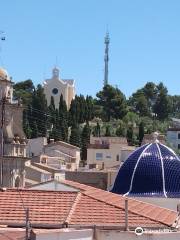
[(63, 119), (74, 111), (24, 91), (75, 137), (129, 135), (141, 132), (85, 140), (139, 103), (97, 130), (39, 109), (108, 131), (113, 102), (162, 104), (121, 130)]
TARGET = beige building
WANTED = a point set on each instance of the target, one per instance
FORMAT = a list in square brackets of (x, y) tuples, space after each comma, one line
[(14, 143), (107, 151), (59, 155), (103, 179), (12, 138), (35, 146), (55, 86)]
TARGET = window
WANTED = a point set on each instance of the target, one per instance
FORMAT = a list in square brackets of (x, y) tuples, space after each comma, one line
[(117, 157), (178, 146), (99, 156), (55, 91), (108, 156), (178, 135)]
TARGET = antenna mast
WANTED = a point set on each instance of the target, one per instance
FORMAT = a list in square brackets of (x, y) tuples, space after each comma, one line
[(106, 58)]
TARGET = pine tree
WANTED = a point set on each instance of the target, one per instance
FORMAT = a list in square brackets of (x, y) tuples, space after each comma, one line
[(162, 104)]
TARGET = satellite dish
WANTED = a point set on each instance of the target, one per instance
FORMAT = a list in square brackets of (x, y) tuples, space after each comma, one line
[(139, 231)]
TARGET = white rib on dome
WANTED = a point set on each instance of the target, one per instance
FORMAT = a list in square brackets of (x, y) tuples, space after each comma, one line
[(132, 179)]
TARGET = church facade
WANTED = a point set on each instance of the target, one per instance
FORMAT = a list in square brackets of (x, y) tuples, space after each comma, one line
[(55, 86)]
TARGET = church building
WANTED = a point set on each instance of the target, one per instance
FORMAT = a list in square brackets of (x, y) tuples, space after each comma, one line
[(55, 86), (12, 137)]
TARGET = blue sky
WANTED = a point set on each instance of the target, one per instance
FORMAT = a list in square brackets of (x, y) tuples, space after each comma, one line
[(144, 41)]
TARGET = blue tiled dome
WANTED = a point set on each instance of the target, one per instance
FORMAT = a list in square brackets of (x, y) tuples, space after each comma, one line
[(151, 170)]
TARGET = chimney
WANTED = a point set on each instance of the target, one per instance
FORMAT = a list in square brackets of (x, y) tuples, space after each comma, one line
[(126, 215)]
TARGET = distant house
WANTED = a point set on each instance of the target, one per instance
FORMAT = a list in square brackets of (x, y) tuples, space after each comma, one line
[(60, 155), (173, 134), (65, 152), (148, 138), (173, 137), (107, 151)]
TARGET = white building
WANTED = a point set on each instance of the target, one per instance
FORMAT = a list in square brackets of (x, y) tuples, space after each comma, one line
[(107, 151), (55, 86), (173, 137)]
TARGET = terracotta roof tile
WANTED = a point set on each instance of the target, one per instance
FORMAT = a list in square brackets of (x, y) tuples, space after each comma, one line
[(148, 210), (89, 206)]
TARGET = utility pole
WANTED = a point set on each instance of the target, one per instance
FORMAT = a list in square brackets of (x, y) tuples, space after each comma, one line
[(27, 224), (3, 100)]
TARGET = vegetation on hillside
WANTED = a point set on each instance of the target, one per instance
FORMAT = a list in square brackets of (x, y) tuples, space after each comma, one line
[(110, 114)]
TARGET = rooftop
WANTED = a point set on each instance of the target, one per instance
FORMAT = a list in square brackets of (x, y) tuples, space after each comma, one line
[(67, 145), (87, 207)]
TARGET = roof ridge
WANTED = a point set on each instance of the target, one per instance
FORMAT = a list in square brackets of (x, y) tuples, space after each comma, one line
[(73, 207), (149, 215)]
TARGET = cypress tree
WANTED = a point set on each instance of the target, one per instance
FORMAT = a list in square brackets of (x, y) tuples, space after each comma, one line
[(63, 119), (129, 135), (85, 140), (75, 138), (34, 130), (40, 104), (108, 132)]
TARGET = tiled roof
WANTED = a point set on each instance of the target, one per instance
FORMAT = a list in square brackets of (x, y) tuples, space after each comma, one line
[(89, 206), (64, 144)]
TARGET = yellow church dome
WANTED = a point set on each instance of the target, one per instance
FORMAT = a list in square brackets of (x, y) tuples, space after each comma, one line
[(4, 74)]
